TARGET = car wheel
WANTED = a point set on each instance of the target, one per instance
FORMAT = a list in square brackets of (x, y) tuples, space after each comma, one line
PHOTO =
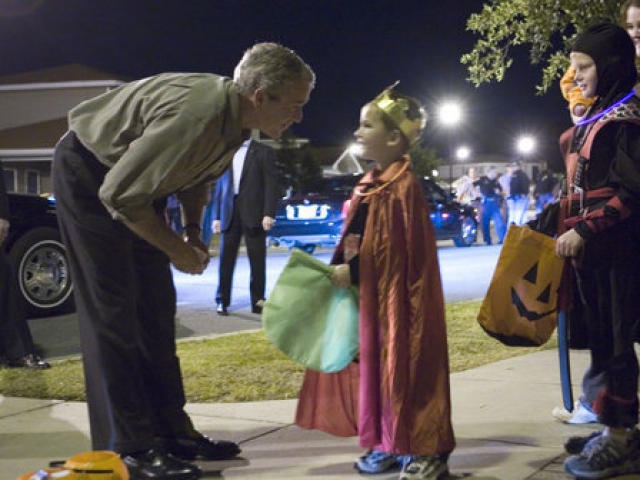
[(468, 233), (40, 260)]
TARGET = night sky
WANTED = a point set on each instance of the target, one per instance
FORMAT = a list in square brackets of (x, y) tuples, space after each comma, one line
[(356, 47)]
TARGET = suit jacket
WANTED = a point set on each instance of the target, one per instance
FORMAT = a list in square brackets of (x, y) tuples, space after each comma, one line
[(258, 193)]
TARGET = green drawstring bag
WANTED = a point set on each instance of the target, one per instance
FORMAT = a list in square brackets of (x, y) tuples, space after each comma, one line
[(309, 319)]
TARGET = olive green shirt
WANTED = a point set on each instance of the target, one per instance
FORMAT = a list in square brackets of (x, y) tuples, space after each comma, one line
[(172, 132)]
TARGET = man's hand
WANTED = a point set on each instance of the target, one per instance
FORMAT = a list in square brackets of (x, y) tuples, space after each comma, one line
[(190, 260), (215, 226), (341, 276), (267, 223), (4, 230), (569, 244), (193, 239), (182, 254)]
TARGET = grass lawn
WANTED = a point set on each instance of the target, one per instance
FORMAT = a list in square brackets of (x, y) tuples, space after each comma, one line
[(245, 367)]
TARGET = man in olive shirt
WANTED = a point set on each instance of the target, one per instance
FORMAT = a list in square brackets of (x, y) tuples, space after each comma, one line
[(125, 152)]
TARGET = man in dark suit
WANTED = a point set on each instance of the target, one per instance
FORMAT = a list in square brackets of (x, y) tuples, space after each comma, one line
[(16, 343), (245, 205)]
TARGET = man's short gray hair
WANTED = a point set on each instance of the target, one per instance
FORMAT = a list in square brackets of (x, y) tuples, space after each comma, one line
[(270, 66)]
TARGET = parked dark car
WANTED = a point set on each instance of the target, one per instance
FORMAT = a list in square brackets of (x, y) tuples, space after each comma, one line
[(38, 255), (314, 217)]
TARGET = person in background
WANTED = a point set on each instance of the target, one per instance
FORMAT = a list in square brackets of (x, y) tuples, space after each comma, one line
[(545, 189), (468, 193), (397, 397), (174, 213), (244, 206), (491, 193), (125, 152), (207, 217), (16, 343), (505, 184), (466, 190), (518, 199), (601, 241)]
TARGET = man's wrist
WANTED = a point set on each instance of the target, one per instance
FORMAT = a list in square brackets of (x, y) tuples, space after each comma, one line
[(191, 231)]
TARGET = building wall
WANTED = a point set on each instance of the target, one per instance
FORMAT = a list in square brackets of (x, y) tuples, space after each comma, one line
[(33, 118)]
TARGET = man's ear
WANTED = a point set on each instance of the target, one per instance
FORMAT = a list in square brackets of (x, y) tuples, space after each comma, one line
[(259, 97)]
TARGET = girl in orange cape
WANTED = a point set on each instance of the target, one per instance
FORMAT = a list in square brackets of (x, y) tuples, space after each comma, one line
[(396, 397)]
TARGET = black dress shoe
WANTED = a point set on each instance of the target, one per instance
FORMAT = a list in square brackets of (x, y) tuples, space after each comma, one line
[(222, 310), (31, 361), (257, 307), (157, 465), (199, 448)]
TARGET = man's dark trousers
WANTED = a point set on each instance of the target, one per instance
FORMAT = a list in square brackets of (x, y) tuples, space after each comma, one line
[(255, 241), (15, 337), (126, 309)]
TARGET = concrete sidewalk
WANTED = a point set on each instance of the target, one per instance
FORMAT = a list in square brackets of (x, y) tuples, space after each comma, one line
[(501, 415)]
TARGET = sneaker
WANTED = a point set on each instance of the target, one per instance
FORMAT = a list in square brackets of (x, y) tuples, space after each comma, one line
[(375, 461), (581, 415), (604, 458), (575, 445), (425, 468)]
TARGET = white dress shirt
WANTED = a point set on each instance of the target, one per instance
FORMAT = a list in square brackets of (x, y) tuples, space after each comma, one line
[(238, 165)]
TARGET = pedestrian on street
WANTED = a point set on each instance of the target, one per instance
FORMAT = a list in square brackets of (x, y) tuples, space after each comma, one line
[(518, 199), (491, 193), (16, 343), (245, 203)]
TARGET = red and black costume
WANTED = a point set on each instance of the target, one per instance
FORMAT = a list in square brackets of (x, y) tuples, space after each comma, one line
[(603, 162)]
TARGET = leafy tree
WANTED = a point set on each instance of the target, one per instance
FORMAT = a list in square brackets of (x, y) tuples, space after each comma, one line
[(424, 160), (547, 27)]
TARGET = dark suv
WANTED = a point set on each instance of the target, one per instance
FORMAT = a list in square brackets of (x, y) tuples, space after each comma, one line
[(39, 256), (314, 217)]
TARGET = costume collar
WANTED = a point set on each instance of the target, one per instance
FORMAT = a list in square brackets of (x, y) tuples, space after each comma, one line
[(620, 109), (376, 180)]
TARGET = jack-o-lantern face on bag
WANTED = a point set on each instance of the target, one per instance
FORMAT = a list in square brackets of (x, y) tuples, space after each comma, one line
[(520, 307), (535, 297)]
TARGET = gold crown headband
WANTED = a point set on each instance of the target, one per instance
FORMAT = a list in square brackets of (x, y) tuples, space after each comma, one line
[(397, 109)]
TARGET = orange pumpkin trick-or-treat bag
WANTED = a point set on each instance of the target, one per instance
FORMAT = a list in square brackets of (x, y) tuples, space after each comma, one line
[(521, 304)]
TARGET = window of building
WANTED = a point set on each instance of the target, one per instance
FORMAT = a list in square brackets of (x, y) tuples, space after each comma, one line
[(10, 180), (33, 182)]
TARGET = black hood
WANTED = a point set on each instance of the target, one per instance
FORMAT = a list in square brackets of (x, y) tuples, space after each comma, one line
[(614, 55)]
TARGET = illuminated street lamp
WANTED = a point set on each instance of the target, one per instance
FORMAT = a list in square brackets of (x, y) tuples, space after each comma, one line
[(463, 153), (450, 115), (526, 145)]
